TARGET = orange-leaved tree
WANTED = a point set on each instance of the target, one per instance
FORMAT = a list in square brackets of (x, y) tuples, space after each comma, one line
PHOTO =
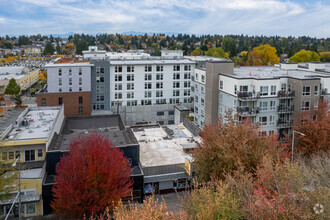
[(263, 55), (316, 127), (92, 176)]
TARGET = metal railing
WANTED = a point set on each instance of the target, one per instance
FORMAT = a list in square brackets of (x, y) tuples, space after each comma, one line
[(247, 110), (284, 108), (285, 94), (284, 123), (248, 95)]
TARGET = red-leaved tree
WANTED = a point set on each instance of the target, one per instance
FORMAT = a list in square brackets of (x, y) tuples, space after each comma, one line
[(92, 176)]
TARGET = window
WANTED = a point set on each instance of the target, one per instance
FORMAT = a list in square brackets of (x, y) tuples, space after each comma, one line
[(80, 81), (196, 99), (316, 104), (305, 106), (59, 71), (131, 103), (11, 155), (160, 122), (196, 109), (176, 92), (80, 110), (80, 89), (70, 71), (235, 89), (147, 86), (147, 76), (118, 86), (159, 68), (30, 155), (40, 153), (171, 122), (99, 79), (176, 84), (147, 68), (187, 76), (70, 89), (159, 76), (60, 100), (99, 97), (147, 94), (221, 84), (202, 101), (283, 87), (80, 100), (176, 75), (59, 81), (130, 95), (202, 89), (118, 77), (70, 81), (306, 90), (316, 90), (160, 113), (263, 90), (263, 106), (243, 88), (30, 208), (272, 105), (130, 86), (263, 120), (176, 68), (186, 84), (80, 71), (43, 102), (130, 77), (99, 88), (187, 67), (273, 90), (272, 120), (118, 69), (60, 89), (203, 79), (118, 95), (196, 76), (186, 92), (130, 68), (170, 112), (159, 93)]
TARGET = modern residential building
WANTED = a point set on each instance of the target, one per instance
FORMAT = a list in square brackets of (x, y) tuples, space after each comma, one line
[(268, 95), (29, 137), (142, 90)]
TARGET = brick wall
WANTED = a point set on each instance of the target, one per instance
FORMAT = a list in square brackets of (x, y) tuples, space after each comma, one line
[(70, 100)]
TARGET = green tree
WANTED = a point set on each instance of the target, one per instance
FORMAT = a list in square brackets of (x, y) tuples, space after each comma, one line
[(58, 49), (196, 52), (215, 52), (229, 45), (49, 49), (305, 56), (325, 56), (12, 88)]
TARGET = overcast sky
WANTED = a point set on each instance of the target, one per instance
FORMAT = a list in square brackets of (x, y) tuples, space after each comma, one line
[(251, 17)]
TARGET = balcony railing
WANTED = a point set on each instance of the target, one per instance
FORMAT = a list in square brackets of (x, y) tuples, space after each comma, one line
[(247, 111), (324, 92), (284, 123), (284, 108), (248, 95), (285, 94)]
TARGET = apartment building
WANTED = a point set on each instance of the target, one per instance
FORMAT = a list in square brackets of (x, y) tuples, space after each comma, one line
[(29, 137), (269, 96), (142, 90)]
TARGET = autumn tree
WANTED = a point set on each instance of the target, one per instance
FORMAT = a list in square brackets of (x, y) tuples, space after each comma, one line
[(325, 56), (316, 127), (305, 56), (215, 52), (196, 52), (263, 55), (227, 147), (92, 176)]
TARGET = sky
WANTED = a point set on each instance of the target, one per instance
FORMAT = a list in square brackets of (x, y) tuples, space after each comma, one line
[(251, 17)]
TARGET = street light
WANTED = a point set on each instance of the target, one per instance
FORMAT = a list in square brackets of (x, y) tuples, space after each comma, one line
[(302, 134), (19, 190)]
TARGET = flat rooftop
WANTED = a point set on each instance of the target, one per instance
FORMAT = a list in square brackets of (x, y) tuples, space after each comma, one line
[(161, 146), (110, 126), (151, 60), (271, 72), (35, 123)]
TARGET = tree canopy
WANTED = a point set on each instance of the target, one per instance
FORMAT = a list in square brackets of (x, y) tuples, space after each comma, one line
[(92, 176), (215, 52), (305, 56), (12, 88), (263, 55), (49, 49)]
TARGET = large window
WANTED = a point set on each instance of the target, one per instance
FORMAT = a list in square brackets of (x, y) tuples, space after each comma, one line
[(159, 68), (176, 68), (263, 120), (263, 106), (159, 85), (273, 90), (130, 77), (306, 90), (30, 155), (263, 90), (130, 68), (147, 86), (130, 86), (187, 67), (176, 84), (272, 120), (118, 77), (99, 88), (316, 90), (148, 77), (130, 95), (243, 88), (272, 105), (147, 68), (159, 76), (118, 69), (160, 113), (176, 75), (305, 106)]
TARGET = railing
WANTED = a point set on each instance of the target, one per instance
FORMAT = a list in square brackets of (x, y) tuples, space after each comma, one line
[(324, 92), (283, 108), (248, 95), (247, 110), (285, 94), (284, 123)]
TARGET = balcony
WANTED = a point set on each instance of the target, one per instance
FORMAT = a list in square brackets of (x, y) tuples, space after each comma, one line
[(324, 92), (248, 95), (284, 123), (285, 94), (247, 111), (285, 109)]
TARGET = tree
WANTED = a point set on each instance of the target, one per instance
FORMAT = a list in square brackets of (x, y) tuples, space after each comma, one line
[(305, 56), (58, 49), (316, 127), (263, 55), (196, 52), (12, 88), (215, 52), (49, 49), (325, 56), (92, 176), (227, 147), (7, 173), (229, 45)]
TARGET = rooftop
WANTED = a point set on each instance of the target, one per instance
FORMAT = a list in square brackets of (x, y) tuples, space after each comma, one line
[(110, 126), (33, 123), (152, 60), (271, 72), (160, 146)]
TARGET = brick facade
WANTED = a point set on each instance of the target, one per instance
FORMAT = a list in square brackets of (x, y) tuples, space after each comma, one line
[(73, 105)]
